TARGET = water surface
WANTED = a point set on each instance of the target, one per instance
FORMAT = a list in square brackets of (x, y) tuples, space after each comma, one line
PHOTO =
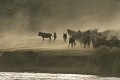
[(50, 76)]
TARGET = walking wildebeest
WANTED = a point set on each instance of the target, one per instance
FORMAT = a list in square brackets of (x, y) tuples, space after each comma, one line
[(72, 42), (71, 32), (75, 35), (114, 42), (86, 39), (45, 35), (65, 36), (100, 42), (55, 36)]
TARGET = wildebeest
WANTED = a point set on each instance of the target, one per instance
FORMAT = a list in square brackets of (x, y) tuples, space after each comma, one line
[(100, 38), (55, 36), (100, 42), (45, 35), (65, 36), (97, 38), (74, 34), (112, 43), (71, 32), (72, 42), (82, 37), (86, 39)]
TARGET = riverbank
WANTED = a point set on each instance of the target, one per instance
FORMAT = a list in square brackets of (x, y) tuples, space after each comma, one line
[(54, 61), (58, 61)]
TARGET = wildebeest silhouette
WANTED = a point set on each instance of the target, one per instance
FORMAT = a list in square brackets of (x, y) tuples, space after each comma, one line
[(86, 39), (65, 36), (72, 42), (83, 37), (45, 35), (99, 38), (100, 42), (71, 32), (114, 42), (75, 35), (55, 36)]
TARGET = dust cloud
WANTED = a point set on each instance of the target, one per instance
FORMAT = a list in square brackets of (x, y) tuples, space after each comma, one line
[(21, 20)]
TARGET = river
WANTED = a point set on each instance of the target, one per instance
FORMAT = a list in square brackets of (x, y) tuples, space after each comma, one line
[(50, 76)]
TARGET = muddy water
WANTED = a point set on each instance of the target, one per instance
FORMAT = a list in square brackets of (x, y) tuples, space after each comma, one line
[(49, 76)]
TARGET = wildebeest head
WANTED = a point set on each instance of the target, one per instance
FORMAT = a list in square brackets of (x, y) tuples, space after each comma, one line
[(39, 34), (64, 33)]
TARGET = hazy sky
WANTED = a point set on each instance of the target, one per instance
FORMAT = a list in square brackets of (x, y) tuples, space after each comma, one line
[(21, 16)]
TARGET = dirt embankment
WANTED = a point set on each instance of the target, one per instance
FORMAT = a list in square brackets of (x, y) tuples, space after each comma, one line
[(54, 61), (102, 61)]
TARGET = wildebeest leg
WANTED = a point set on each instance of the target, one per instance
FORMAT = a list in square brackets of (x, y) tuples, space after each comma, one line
[(81, 43), (89, 45), (43, 38), (65, 39), (54, 39), (49, 38), (72, 45)]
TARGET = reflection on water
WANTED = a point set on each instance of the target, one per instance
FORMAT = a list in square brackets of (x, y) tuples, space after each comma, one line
[(49, 76)]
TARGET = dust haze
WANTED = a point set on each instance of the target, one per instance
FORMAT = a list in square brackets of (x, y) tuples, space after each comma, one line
[(21, 20)]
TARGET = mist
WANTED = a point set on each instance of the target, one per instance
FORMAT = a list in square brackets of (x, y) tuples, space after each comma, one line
[(25, 18)]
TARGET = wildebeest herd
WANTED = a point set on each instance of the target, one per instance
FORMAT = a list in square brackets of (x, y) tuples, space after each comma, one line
[(85, 38)]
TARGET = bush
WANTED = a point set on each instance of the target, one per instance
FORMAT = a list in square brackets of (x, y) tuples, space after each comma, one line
[(13, 59), (18, 59), (31, 56), (107, 60)]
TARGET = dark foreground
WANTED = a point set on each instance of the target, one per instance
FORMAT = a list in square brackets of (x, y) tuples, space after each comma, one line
[(51, 61)]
